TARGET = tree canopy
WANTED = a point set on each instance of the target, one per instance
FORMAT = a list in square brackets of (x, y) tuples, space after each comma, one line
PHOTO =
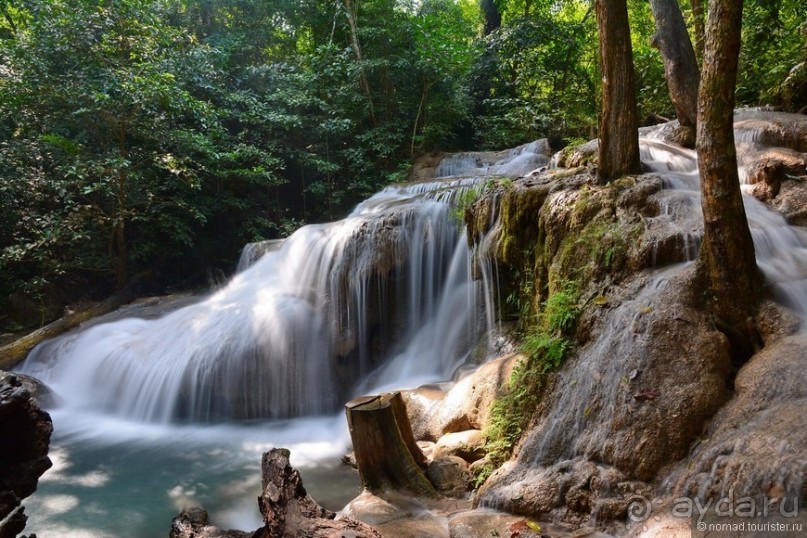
[(162, 135)]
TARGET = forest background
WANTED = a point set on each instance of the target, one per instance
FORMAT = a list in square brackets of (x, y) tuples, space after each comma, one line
[(157, 137)]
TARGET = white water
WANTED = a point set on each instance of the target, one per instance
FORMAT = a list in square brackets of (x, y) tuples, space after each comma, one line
[(160, 412), (781, 252)]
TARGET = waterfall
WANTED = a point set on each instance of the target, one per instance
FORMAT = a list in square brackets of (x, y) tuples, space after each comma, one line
[(781, 253), (387, 291), (283, 336)]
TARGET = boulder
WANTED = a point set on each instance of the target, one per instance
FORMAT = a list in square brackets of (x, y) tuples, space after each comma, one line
[(468, 445), (192, 523), (450, 475), (288, 511), (24, 438), (754, 447), (399, 515), (40, 392), (633, 399), (465, 406)]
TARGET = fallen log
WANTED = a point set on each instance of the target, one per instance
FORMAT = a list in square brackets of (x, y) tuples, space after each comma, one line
[(387, 455), (16, 351)]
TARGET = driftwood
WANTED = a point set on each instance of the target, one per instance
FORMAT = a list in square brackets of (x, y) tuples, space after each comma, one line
[(288, 511), (16, 351), (386, 452)]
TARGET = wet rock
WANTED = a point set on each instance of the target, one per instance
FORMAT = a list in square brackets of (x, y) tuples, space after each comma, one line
[(397, 515), (192, 523), (465, 406), (791, 201), (575, 156), (754, 446), (450, 475), (775, 322), (771, 128), (576, 492), (766, 176), (468, 445), (24, 437), (40, 392), (591, 415), (288, 511), (481, 523)]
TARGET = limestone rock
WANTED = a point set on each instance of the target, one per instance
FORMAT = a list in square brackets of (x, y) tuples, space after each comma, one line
[(24, 437), (468, 445), (288, 511), (755, 444), (450, 475), (465, 406), (192, 523), (398, 515), (633, 399), (791, 201)]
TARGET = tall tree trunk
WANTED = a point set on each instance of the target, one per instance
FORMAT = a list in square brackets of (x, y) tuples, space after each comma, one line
[(351, 13), (697, 23), (680, 66), (726, 263), (619, 137), (120, 254), (490, 12)]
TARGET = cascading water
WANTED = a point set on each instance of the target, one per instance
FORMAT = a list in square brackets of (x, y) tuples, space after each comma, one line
[(590, 418), (274, 342), (383, 298), (781, 253)]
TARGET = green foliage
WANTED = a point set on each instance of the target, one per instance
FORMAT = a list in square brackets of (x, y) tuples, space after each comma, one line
[(146, 133), (536, 77), (773, 54), (156, 134), (466, 198), (545, 346)]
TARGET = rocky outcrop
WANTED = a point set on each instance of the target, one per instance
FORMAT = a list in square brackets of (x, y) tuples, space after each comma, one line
[(192, 523), (754, 447), (466, 405), (468, 445), (24, 437), (623, 402), (651, 381), (288, 511)]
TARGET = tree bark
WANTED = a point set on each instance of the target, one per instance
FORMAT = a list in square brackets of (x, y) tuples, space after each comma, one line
[(619, 137), (680, 66), (697, 22), (490, 12), (16, 351), (386, 452), (351, 13), (726, 263)]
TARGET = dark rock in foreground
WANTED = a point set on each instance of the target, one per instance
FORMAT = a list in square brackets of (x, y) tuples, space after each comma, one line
[(288, 511), (24, 437)]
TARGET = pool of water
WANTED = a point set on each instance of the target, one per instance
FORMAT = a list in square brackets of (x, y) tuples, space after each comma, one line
[(112, 478)]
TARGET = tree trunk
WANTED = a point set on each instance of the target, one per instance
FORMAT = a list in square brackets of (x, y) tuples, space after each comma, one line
[(386, 452), (11, 354), (726, 263), (680, 66), (351, 13), (491, 15), (697, 22), (619, 137)]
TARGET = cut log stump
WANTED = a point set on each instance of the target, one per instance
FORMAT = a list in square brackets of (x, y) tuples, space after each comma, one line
[(387, 455)]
